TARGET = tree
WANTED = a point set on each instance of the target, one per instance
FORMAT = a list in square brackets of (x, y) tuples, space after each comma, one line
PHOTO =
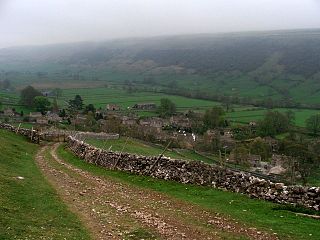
[(313, 124), (214, 118), (62, 113), (167, 108), (57, 92), (89, 108), (41, 103), (241, 155), (75, 104), (55, 107), (273, 123), (291, 116), (260, 148), (303, 159), (27, 96)]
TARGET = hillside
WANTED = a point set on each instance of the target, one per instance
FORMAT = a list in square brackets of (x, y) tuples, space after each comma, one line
[(282, 65), (30, 206)]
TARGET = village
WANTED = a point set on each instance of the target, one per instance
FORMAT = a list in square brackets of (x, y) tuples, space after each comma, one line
[(209, 134)]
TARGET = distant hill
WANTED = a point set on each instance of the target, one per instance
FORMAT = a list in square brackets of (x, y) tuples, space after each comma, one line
[(259, 65)]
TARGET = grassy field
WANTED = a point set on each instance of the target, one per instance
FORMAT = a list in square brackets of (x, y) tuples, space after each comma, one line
[(245, 116), (135, 146), (253, 213), (30, 208), (100, 97), (24, 125)]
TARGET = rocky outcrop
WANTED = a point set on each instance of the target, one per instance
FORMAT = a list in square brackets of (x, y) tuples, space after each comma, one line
[(199, 173)]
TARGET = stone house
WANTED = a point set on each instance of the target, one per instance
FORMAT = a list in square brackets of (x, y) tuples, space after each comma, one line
[(253, 124), (145, 106), (42, 120), (112, 107), (153, 123), (8, 112), (78, 120), (180, 121), (33, 116), (53, 117), (125, 120)]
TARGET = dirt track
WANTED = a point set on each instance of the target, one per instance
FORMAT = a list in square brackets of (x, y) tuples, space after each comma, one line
[(114, 210)]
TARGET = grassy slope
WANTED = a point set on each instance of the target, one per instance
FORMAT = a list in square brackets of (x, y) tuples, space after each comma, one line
[(301, 115), (138, 147), (255, 213), (30, 208), (100, 97)]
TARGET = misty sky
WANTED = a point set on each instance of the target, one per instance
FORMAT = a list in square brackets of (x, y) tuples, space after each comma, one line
[(24, 22)]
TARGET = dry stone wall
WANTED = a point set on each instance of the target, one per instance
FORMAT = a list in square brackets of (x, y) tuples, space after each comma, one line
[(192, 172), (199, 173), (56, 135), (31, 134)]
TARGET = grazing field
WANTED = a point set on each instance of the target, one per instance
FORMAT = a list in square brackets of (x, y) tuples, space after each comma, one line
[(138, 147), (254, 213), (11, 100), (245, 116), (30, 208), (100, 97)]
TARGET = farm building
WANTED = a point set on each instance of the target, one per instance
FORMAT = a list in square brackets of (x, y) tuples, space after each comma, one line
[(53, 117), (8, 112), (112, 107), (145, 106), (42, 120), (78, 120), (33, 116), (180, 121), (129, 120), (153, 123)]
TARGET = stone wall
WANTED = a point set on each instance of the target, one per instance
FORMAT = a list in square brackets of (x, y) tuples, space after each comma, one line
[(192, 172), (199, 173), (31, 134), (56, 135), (100, 136)]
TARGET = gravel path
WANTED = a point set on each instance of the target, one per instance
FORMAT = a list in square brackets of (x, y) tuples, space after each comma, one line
[(114, 210)]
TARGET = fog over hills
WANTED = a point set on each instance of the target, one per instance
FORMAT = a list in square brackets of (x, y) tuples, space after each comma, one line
[(297, 52), (278, 60)]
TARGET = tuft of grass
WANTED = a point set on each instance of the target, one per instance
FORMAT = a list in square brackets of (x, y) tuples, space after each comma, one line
[(30, 208), (252, 212), (139, 234)]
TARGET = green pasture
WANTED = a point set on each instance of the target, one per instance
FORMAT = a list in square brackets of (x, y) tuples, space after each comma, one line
[(139, 147), (30, 208), (245, 116), (100, 97)]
